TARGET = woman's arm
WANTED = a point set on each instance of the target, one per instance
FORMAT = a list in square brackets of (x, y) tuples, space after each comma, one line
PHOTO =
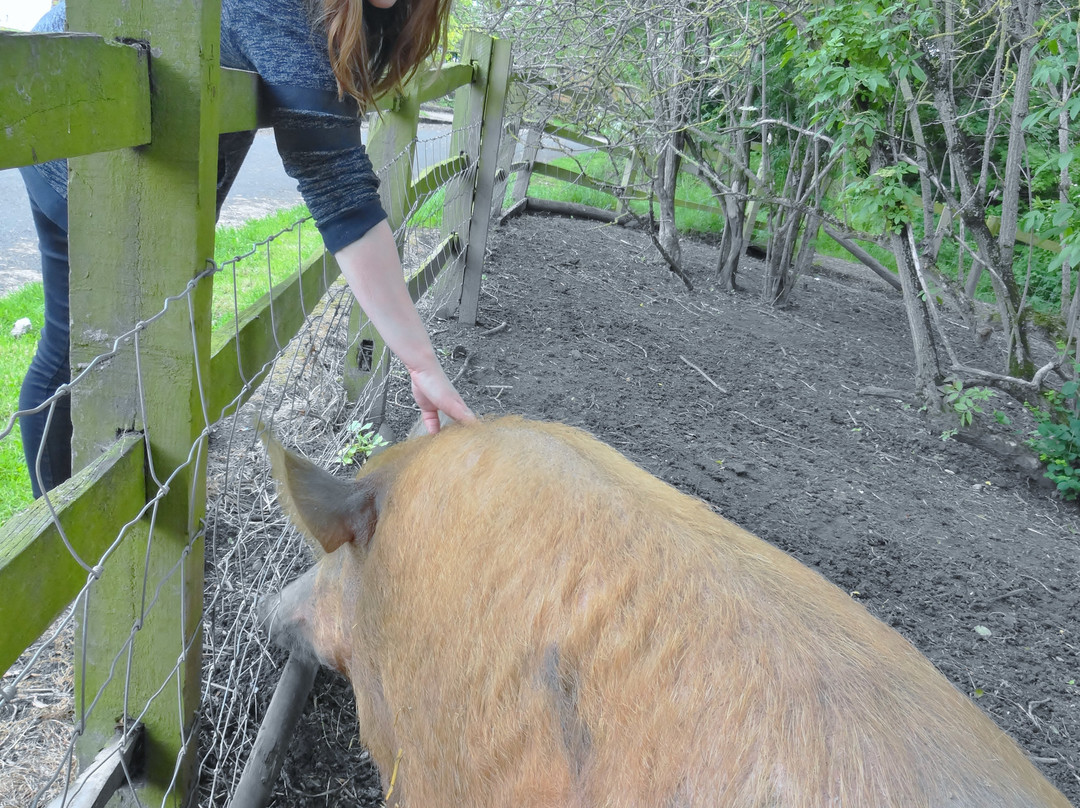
[(372, 268)]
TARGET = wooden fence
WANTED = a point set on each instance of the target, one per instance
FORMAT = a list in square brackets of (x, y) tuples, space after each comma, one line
[(631, 186), (138, 107)]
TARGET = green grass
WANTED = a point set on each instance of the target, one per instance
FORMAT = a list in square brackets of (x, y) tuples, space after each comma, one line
[(252, 280), (244, 281), (15, 355)]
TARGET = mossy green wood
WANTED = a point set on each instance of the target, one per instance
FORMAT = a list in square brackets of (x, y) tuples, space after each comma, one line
[(391, 146), (516, 100), (433, 178), (245, 353), (367, 365), (574, 177), (494, 105), (67, 94), (438, 82), (530, 147), (38, 575), (631, 166), (142, 227), (569, 133), (242, 107)]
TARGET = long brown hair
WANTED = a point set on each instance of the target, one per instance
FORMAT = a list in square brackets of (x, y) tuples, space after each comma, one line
[(373, 50)]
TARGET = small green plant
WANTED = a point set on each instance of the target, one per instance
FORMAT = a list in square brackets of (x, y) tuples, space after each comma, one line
[(1056, 437), (964, 402), (365, 441)]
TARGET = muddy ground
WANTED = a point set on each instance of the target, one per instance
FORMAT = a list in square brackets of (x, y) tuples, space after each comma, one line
[(763, 414)]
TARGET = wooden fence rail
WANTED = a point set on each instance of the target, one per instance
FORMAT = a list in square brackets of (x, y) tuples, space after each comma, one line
[(43, 73), (142, 415)]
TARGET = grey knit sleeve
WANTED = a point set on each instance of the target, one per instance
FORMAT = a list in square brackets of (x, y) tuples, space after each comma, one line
[(318, 134)]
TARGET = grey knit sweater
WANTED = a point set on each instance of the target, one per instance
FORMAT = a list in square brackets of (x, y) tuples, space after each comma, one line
[(318, 136)]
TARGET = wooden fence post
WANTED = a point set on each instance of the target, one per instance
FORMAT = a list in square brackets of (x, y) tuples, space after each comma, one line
[(464, 141), (142, 227), (391, 145), (515, 105), (496, 82), (630, 170), (530, 148)]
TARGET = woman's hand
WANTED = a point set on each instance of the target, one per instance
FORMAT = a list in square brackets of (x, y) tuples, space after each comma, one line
[(434, 393)]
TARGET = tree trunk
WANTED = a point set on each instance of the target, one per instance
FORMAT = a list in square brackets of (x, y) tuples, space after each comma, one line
[(865, 258), (928, 375), (804, 260), (1025, 12), (667, 170), (785, 224), (972, 209), (922, 158), (732, 244), (1064, 188)]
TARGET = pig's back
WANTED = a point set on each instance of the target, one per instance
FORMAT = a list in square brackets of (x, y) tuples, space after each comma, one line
[(600, 627)]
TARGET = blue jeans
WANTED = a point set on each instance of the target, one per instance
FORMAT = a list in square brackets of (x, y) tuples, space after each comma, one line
[(46, 435), (48, 439)]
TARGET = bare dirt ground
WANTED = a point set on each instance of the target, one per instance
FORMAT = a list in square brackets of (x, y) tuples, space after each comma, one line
[(759, 413)]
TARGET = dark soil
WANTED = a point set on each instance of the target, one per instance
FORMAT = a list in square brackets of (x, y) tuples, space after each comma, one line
[(759, 413)]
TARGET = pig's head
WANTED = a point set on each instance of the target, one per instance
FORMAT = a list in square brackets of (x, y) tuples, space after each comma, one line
[(315, 614)]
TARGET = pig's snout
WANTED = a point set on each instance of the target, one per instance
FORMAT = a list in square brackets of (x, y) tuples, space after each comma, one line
[(288, 616)]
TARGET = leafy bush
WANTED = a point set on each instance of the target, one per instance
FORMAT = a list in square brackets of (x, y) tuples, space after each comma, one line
[(962, 402), (1057, 438)]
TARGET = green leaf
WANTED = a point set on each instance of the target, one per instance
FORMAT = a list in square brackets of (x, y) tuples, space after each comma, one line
[(1033, 118)]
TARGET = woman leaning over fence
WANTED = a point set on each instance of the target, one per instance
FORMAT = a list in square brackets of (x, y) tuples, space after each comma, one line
[(322, 62)]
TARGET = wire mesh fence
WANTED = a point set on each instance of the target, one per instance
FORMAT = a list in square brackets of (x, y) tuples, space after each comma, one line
[(49, 695)]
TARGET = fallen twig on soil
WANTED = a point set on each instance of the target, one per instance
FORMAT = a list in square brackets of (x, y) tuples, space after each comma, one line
[(887, 392), (500, 327), (464, 367), (788, 439), (703, 373)]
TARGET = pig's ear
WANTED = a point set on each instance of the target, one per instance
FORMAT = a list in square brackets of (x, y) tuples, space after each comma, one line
[(331, 510)]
